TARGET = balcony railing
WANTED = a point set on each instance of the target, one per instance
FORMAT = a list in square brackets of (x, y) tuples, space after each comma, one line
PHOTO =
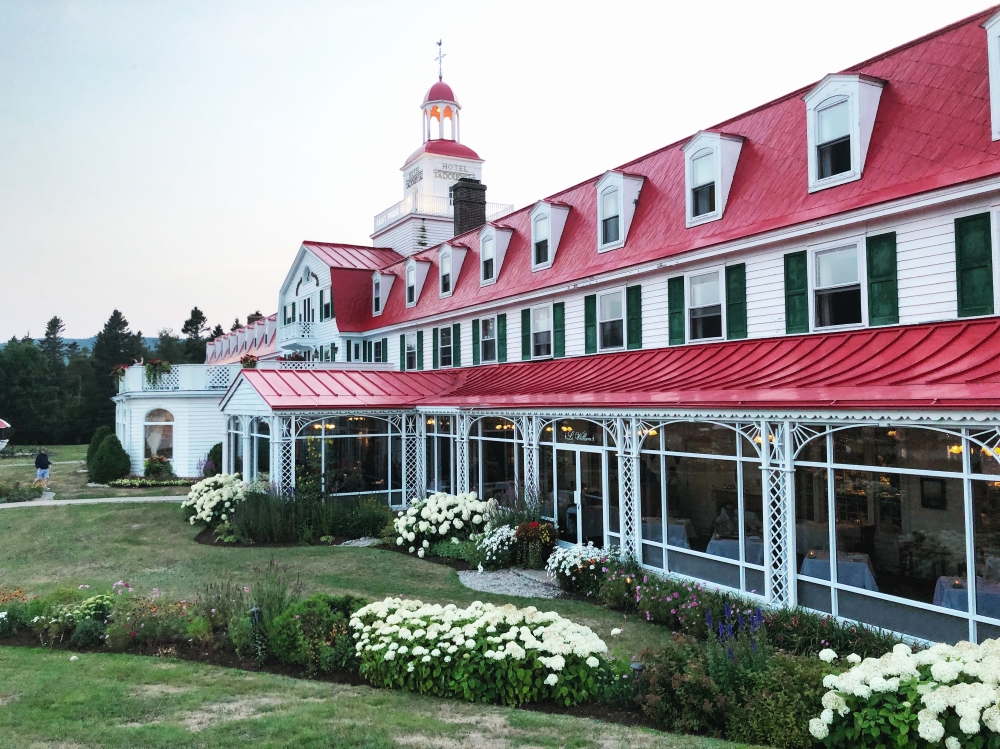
[(180, 378), (432, 206), (295, 330)]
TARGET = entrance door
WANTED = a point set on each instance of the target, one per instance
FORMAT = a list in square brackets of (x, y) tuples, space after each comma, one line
[(579, 490)]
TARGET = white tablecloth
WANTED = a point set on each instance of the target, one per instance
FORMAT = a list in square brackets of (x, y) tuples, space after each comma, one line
[(730, 549), (849, 572), (987, 596)]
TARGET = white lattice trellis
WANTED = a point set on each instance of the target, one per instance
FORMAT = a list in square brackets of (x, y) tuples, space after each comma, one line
[(283, 453), (167, 381), (217, 378), (462, 424), (412, 451), (779, 531), (628, 441), (530, 428)]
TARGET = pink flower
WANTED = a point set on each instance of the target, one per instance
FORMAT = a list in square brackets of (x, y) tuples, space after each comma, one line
[(246, 588), (296, 616)]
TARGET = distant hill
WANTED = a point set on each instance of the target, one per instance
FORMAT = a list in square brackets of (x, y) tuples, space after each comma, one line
[(88, 343)]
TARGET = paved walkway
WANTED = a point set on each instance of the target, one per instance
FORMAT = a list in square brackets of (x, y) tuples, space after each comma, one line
[(47, 501), (32, 465)]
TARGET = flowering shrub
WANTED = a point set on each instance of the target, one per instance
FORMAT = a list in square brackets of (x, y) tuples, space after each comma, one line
[(157, 466), (497, 546), (212, 500), (141, 482), (155, 369), (535, 540), (439, 518), (248, 361), (910, 700), (579, 568), (483, 653), (62, 620), (677, 604)]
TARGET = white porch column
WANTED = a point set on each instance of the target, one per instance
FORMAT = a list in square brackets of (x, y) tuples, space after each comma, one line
[(779, 509), (249, 459), (414, 488), (462, 452), (282, 453), (528, 427), (627, 436)]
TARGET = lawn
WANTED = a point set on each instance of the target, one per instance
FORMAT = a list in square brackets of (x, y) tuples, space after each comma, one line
[(68, 475), (116, 700)]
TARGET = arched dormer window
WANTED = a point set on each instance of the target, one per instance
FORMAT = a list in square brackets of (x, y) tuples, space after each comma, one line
[(540, 241), (487, 255), (703, 183), (833, 137), (610, 215), (411, 286), (158, 434), (376, 294)]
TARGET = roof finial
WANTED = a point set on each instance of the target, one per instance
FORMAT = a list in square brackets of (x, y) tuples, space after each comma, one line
[(439, 58)]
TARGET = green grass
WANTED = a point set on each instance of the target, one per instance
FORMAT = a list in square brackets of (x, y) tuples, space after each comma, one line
[(105, 700), (129, 701), (69, 480)]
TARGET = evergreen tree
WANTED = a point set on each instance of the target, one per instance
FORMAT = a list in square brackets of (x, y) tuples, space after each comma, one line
[(194, 330), (236, 325), (217, 332), (115, 344), (29, 396), (170, 348), (53, 345)]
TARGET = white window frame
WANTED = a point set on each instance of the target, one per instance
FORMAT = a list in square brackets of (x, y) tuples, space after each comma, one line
[(857, 241), (377, 354), (720, 270), (600, 344), (411, 269), (411, 339), (713, 215), (359, 350), (552, 332), (483, 280), (619, 241), (495, 339), (547, 216), (446, 255), (376, 296), (451, 347)]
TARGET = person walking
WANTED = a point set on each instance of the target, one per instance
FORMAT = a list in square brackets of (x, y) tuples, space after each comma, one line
[(42, 468)]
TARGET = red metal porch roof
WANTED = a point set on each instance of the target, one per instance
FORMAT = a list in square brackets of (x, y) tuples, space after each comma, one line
[(945, 366)]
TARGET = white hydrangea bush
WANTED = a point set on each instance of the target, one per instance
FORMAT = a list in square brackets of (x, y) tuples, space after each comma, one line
[(483, 653), (497, 546), (213, 500), (578, 568), (440, 517), (947, 695)]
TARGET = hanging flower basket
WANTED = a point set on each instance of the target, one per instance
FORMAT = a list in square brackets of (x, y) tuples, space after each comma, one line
[(155, 369), (249, 361), (118, 371)]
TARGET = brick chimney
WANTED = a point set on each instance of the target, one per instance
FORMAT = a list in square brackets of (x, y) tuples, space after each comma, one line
[(251, 319), (468, 196)]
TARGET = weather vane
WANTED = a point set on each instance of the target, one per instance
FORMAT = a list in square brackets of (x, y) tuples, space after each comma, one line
[(439, 58)]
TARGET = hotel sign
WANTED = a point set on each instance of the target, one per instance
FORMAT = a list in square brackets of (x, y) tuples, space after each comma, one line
[(415, 175), (452, 172)]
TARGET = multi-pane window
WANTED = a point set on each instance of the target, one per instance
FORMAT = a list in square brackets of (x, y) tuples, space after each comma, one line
[(611, 319), (357, 351), (541, 256), (541, 332), (378, 353), (488, 339), (377, 295), (446, 273), (488, 260), (411, 351), (444, 346), (705, 309), (833, 138), (610, 215), (703, 183), (411, 286), (838, 287)]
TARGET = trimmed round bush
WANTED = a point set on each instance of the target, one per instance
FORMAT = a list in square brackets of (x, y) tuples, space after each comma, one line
[(110, 462), (100, 435), (213, 464)]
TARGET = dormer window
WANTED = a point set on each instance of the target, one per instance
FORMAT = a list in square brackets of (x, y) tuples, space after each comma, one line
[(610, 215), (445, 266), (833, 152), (703, 182), (840, 119), (487, 255), (376, 295), (411, 286), (540, 240)]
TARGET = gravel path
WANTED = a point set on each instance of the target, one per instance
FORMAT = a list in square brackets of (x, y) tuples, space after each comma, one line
[(364, 541), (509, 583)]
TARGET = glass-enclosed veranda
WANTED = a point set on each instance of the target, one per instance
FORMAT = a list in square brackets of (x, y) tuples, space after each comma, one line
[(910, 511)]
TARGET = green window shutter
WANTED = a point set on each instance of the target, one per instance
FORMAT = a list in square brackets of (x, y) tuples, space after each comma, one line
[(883, 290), (321, 306), (974, 261), (633, 316), (475, 343), (675, 310), (294, 316), (420, 349), (559, 329), (796, 292), (349, 347), (525, 335), (371, 351), (434, 356), (590, 324), (736, 301), (333, 352), (456, 345), (402, 352), (501, 338), (385, 349)]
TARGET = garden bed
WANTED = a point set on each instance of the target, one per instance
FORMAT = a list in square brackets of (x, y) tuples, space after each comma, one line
[(207, 537)]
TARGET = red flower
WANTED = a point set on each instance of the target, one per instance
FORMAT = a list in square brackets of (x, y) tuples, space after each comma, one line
[(534, 523)]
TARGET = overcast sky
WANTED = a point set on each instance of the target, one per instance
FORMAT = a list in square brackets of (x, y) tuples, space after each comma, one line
[(160, 155)]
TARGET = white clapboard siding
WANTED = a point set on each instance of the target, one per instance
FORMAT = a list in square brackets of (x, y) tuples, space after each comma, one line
[(925, 262), (655, 319), (765, 294)]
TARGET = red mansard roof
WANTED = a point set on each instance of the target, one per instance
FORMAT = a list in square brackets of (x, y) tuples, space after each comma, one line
[(217, 349), (352, 256), (946, 366), (932, 130)]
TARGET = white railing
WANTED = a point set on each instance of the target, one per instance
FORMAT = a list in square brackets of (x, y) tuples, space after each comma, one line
[(181, 378), (295, 330), (433, 206), (323, 365)]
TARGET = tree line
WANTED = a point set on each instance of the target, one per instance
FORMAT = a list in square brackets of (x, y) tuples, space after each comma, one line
[(56, 393)]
